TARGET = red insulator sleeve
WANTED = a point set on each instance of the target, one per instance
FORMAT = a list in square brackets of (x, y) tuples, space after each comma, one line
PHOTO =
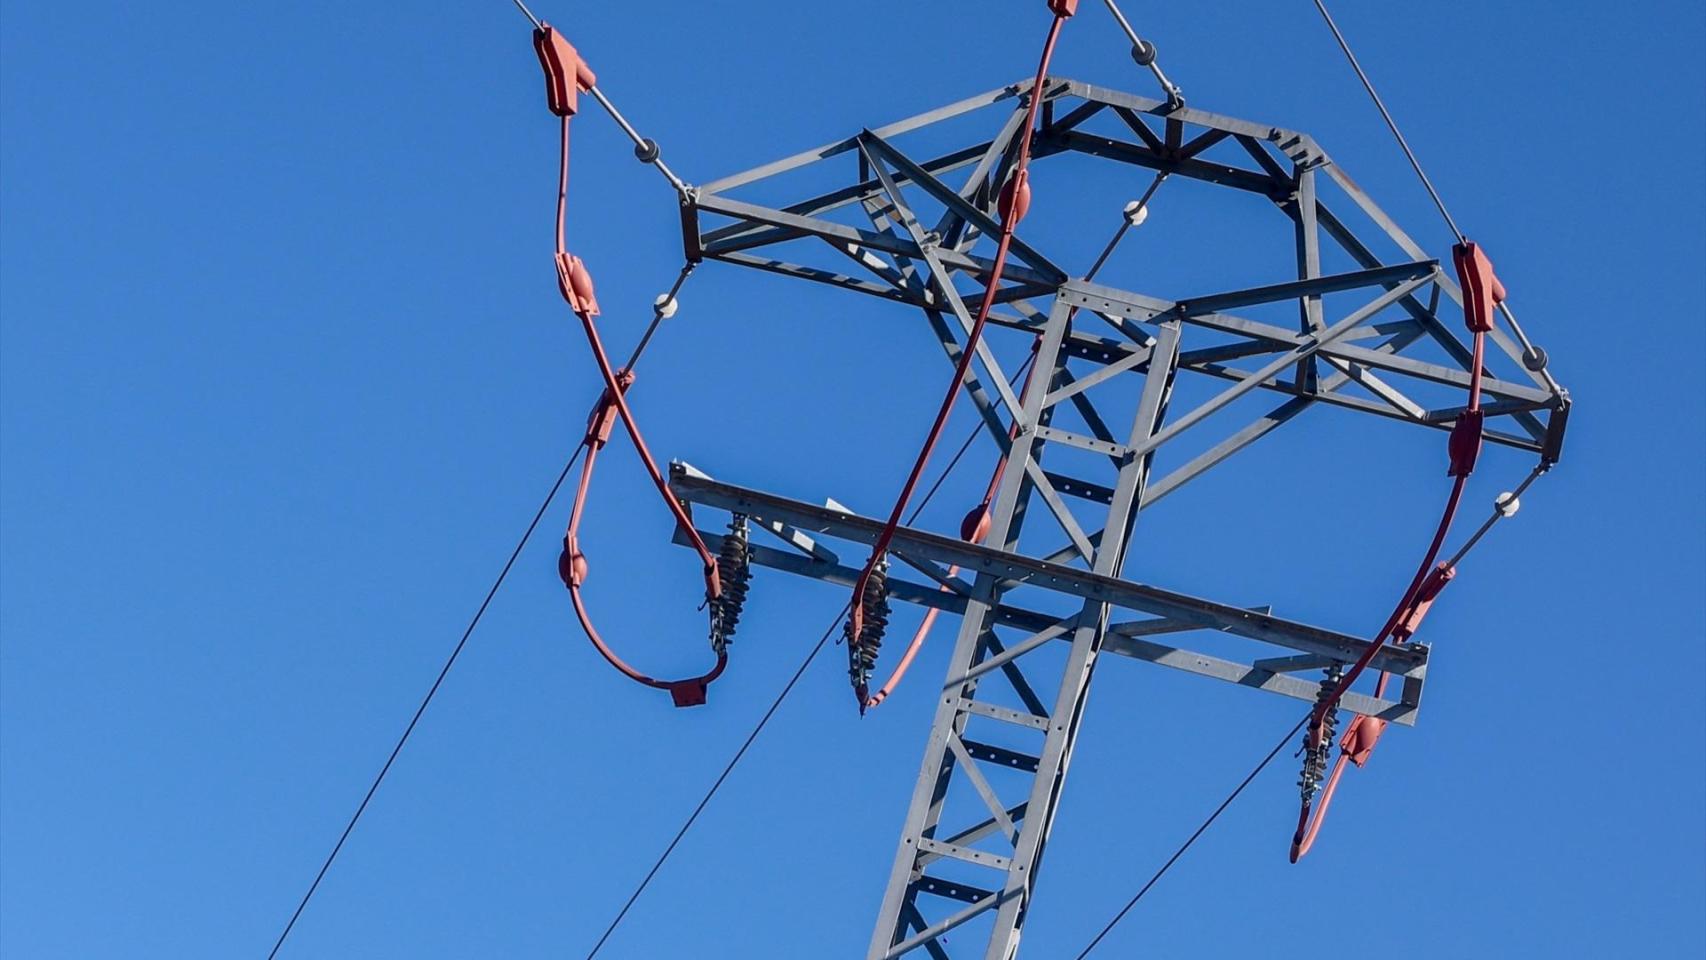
[(1464, 446)]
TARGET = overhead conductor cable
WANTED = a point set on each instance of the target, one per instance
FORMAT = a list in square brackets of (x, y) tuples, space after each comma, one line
[(1143, 54), (975, 525), (566, 75), (1015, 199), (1483, 299)]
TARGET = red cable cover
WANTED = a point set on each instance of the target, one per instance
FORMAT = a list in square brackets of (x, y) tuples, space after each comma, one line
[(565, 73), (973, 529), (1015, 199), (1482, 292)]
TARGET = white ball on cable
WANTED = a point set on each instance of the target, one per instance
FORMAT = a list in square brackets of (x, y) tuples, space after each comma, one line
[(1507, 504), (1136, 213), (665, 306)]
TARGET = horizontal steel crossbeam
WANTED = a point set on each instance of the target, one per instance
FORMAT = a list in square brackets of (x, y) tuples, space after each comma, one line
[(1180, 612)]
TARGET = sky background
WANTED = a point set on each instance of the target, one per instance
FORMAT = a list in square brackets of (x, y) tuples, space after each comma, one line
[(284, 373)]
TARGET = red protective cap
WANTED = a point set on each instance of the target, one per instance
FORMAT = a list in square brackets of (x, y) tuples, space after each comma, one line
[(1465, 443), (1358, 742), (571, 563), (574, 282), (565, 72), (1063, 8), (976, 524), (1482, 291), (1015, 197)]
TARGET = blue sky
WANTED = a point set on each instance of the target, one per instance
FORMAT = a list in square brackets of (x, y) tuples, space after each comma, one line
[(284, 373)]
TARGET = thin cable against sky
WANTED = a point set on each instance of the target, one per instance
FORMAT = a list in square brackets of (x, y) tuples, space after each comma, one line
[(1193, 838), (765, 719), (425, 701), (1391, 124)]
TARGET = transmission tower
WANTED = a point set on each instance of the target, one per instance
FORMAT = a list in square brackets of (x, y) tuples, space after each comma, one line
[(1081, 449), (1036, 575)]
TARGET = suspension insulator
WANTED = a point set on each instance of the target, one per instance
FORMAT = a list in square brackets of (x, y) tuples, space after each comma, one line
[(862, 649), (1317, 748), (734, 574)]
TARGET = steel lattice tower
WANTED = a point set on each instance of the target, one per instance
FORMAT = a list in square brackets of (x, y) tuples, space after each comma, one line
[(1034, 625)]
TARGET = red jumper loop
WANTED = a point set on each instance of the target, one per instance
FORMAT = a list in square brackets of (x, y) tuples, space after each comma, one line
[(1482, 294), (1014, 201), (565, 75)]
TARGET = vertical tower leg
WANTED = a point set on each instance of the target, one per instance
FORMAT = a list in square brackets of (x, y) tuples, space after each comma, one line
[(919, 905)]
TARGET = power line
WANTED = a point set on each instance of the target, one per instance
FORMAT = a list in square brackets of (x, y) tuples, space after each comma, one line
[(718, 783), (431, 692), (768, 713), (529, 14), (1390, 123), (1193, 837)]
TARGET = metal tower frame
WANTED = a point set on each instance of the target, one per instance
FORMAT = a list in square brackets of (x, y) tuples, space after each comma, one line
[(997, 754)]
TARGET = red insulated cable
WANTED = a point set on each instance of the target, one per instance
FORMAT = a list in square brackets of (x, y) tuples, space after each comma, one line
[(924, 626), (1308, 826), (690, 691), (618, 397), (1011, 213), (973, 533)]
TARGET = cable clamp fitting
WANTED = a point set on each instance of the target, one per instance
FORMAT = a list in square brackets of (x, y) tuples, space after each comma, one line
[(1482, 291), (602, 420), (1423, 602), (571, 563), (566, 74), (574, 282), (1464, 446), (688, 693)]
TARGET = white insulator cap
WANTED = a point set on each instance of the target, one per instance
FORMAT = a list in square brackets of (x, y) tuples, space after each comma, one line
[(664, 305), (1136, 213), (1507, 504)]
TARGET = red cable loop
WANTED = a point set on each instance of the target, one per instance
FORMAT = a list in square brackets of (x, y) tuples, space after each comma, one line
[(578, 291), (1015, 202), (575, 284), (1482, 292), (572, 566)]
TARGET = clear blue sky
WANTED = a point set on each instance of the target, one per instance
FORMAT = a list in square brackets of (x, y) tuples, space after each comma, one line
[(284, 373)]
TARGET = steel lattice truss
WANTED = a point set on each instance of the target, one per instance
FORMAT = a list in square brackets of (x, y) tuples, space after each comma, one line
[(1034, 624)]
